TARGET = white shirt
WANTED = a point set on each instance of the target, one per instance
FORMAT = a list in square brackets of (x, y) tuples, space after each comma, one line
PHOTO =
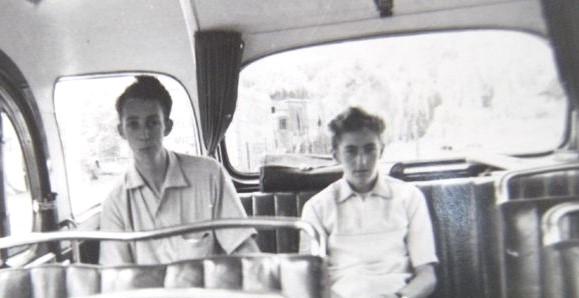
[(374, 239), (195, 189)]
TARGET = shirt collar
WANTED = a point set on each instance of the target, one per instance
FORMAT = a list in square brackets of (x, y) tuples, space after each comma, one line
[(381, 189), (175, 175), (174, 178), (133, 179)]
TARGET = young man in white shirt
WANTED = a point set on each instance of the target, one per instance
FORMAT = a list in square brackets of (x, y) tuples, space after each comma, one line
[(163, 188), (380, 240)]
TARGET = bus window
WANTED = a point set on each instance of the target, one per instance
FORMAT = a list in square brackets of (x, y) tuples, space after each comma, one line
[(441, 95), (94, 153), (16, 187)]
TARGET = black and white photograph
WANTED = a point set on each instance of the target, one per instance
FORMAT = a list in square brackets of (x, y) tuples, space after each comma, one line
[(289, 148)]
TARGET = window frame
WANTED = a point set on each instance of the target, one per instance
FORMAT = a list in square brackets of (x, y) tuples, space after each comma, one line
[(17, 104), (244, 179), (85, 217)]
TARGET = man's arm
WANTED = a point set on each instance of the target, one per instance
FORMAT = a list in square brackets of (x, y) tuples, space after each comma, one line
[(421, 248), (422, 284), (233, 241), (309, 215), (112, 220)]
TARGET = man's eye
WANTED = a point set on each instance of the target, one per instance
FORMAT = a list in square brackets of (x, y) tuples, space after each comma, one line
[(153, 123), (370, 150), (351, 152), (133, 124)]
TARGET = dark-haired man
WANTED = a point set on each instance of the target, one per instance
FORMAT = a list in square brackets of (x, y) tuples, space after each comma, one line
[(379, 230), (163, 188)]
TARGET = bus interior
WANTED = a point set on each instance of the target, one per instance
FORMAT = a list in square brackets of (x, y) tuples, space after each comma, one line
[(479, 97)]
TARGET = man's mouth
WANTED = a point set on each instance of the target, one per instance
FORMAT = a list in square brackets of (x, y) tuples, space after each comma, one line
[(145, 147), (361, 172)]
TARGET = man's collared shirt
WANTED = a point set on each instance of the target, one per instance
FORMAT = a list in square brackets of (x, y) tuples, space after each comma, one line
[(374, 239), (195, 189)]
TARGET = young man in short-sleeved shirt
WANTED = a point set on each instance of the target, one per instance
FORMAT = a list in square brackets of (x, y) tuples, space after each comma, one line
[(163, 188), (379, 231)]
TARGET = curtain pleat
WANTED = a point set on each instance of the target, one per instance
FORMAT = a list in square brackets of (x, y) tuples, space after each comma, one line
[(218, 60)]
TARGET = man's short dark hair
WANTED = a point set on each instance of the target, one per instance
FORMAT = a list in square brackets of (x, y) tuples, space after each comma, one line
[(146, 88), (354, 119)]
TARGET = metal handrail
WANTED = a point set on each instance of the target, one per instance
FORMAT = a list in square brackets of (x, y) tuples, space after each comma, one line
[(502, 190), (263, 223), (550, 223), (75, 245), (186, 293)]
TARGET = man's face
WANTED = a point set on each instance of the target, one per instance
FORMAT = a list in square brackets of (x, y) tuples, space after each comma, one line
[(359, 153), (143, 125)]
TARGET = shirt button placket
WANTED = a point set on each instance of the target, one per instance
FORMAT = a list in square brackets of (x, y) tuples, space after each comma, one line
[(361, 212)]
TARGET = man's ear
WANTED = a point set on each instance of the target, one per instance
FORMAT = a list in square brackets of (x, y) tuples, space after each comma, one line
[(121, 131), (168, 127)]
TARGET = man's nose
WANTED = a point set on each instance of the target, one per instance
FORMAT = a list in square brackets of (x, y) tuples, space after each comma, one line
[(145, 132), (361, 159)]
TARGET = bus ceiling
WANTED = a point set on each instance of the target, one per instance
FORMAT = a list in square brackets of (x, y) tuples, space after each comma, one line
[(271, 26), (53, 39), (67, 36)]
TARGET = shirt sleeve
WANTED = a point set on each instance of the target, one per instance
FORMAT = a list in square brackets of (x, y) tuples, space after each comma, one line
[(113, 220), (421, 244), (309, 215), (229, 206)]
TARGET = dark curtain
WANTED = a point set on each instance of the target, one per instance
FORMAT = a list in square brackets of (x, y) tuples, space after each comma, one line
[(218, 55), (563, 26)]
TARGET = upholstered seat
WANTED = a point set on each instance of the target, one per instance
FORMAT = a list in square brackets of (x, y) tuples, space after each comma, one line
[(560, 239), (289, 275), (460, 211), (563, 183)]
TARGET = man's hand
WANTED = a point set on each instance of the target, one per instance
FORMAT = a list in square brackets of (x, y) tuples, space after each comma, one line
[(422, 284)]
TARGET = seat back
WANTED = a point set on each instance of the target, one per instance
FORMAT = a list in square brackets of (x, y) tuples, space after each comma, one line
[(523, 197), (276, 204), (522, 254), (560, 277), (564, 183), (560, 251), (291, 275), (461, 216), (461, 213), (541, 182)]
